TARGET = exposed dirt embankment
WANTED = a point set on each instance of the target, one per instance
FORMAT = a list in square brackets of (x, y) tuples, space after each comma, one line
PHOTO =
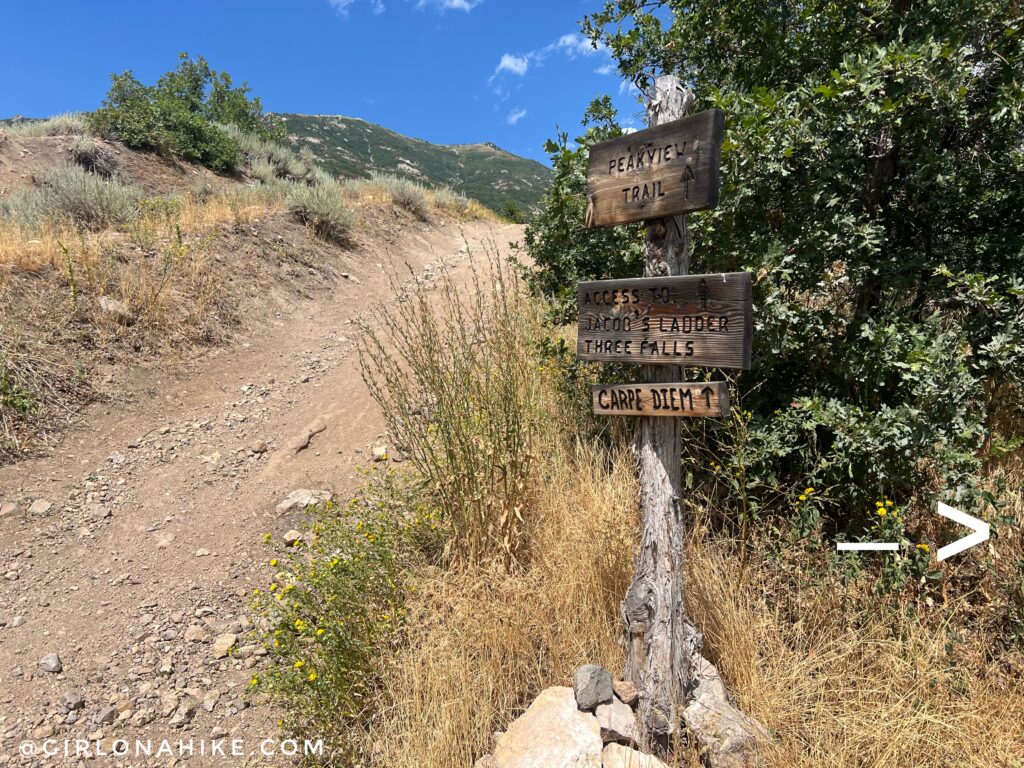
[(129, 549), (216, 343), (23, 159)]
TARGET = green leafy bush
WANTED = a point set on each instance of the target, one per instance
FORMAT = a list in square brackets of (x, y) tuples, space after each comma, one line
[(13, 396), (181, 113), (333, 603), (322, 209), (870, 177), (267, 159), (70, 195)]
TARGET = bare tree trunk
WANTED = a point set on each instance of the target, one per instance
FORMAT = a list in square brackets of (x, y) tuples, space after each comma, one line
[(663, 656), (661, 639)]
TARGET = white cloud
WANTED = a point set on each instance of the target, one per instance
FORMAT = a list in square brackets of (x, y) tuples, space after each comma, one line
[(515, 116), (571, 44), (449, 5), (627, 86), (517, 65), (574, 45), (342, 6)]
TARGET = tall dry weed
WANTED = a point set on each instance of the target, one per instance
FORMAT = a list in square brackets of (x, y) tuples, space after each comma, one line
[(484, 641), (455, 373)]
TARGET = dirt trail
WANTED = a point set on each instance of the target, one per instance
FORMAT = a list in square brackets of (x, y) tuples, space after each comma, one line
[(136, 543)]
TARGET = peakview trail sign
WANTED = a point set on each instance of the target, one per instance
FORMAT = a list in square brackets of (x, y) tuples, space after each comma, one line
[(703, 320), (660, 171)]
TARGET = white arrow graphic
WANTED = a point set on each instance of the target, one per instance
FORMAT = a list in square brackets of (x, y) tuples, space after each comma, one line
[(980, 528)]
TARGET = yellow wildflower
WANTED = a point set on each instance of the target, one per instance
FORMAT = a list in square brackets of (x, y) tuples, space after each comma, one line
[(273, 563), (924, 547), (888, 503), (300, 664), (312, 676), (803, 497)]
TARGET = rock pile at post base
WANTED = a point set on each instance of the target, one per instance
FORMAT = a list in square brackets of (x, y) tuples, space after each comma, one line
[(594, 725), (586, 726)]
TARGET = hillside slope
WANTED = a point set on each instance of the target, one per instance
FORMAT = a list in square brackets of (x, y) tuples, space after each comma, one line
[(351, 147), (179, 375)]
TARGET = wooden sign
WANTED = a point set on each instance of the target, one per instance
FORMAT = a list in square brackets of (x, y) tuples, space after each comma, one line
[(657, 172), (704, 320), (683, 399)]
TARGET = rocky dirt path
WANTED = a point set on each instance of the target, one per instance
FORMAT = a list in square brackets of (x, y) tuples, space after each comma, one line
[(127, 556)]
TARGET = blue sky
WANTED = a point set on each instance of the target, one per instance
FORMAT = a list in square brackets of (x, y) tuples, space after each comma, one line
[(448, 71)]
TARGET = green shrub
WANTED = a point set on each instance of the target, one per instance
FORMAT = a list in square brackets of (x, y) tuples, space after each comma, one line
[(262, 169), (70, 195), (888, 304), (333, 603), (405, 193), (322, 209), (320, 176), (13, 396), (513, 213), (182, 113)]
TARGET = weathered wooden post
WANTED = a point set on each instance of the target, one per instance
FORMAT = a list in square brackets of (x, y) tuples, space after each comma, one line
[(663, 320), (662, 641)]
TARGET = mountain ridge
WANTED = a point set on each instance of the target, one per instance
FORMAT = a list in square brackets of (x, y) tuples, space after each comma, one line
[(355, 147)]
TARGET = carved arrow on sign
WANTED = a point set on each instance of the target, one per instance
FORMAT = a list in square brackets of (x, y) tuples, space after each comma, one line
[(980, 527)]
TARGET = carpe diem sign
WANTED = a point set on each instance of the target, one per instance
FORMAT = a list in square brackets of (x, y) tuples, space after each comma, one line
[(693, 398)]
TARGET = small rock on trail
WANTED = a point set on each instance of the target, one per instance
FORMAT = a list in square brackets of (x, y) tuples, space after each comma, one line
[(301, 441), (51, 663), (301, 498)]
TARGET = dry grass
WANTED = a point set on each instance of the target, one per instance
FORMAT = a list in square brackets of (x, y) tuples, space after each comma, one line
[(842, 680), (380, 191), (484, 641)]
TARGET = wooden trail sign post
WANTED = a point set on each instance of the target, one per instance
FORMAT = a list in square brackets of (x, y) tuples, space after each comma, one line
[(703, 320), (664, 320)]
